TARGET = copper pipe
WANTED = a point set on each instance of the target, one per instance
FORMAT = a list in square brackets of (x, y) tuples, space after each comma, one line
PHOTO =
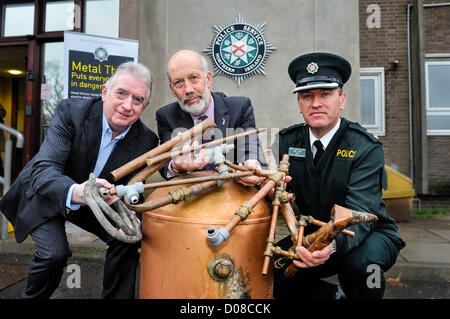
[(163, 148), (340, 217), (289, 254), (271, 238), (301, 231), (174, 153), (236, 167), (291, 221), (169, 199), (257, 172), (276, 206), (316, 222), (146, 173), (191, 180)]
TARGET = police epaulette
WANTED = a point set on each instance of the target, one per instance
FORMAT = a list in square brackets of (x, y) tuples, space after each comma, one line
[(290, 128), (363, 130)]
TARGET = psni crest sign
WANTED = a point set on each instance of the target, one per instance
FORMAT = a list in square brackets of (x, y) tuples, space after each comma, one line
[(239, 50)]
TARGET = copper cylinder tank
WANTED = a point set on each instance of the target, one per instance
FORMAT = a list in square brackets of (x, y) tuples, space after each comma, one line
[(177, 260)]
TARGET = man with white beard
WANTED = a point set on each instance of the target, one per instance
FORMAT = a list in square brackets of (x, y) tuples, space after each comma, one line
[(190, 82)]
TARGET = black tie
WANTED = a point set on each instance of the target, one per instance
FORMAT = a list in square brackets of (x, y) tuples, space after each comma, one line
[(202, 118), (319, 152)]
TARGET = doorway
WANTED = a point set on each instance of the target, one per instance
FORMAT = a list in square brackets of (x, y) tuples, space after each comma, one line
[(13, 66)]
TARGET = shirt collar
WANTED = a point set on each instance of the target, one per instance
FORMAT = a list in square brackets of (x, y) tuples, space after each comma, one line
[(326, 139), (106, 130), (209, 111)]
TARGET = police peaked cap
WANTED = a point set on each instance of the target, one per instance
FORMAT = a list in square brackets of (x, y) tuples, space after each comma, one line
[(319, 71)]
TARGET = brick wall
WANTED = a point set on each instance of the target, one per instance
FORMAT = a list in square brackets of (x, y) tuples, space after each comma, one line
[(379, 47)]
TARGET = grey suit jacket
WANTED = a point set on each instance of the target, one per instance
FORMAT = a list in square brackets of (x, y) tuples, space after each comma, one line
[(67, 156), (232, 114)]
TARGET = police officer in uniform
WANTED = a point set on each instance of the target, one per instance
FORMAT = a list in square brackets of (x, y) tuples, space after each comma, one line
[(334, 161)]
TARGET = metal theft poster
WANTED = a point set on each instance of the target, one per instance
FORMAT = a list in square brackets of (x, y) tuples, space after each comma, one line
[(90, 60)]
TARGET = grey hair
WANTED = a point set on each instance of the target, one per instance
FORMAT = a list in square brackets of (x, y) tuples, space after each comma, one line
[(204, 65), (139, 71)]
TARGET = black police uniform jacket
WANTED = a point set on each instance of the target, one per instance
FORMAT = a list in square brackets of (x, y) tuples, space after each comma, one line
[(67, 156), (350, 173)]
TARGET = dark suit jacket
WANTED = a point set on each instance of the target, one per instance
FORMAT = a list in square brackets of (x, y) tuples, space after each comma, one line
[(67, 156), (232, 112)]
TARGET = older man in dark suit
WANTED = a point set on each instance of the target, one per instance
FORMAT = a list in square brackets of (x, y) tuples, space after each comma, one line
[(190, 82), (96, 135)]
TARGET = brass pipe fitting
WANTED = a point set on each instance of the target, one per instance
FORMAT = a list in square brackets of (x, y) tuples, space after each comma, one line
[(244, 211), (276, 177), (269, 247), (180, 194)]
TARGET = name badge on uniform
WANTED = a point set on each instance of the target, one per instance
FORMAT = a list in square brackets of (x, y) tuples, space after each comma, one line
[(297, 152)]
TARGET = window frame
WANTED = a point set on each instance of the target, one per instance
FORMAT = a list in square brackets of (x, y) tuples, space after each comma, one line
[(435, 110), (378, 75)]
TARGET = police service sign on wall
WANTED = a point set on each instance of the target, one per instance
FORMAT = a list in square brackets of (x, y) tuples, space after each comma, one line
[(239, 50)]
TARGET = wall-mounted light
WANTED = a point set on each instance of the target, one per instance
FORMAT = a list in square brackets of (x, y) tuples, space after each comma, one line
[(395, 64), (15, 72)]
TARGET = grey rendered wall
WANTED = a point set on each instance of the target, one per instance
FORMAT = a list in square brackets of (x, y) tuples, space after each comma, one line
[(294, 27)]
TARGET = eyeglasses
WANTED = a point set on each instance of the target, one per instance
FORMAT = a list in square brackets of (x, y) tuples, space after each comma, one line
[(124, 94)]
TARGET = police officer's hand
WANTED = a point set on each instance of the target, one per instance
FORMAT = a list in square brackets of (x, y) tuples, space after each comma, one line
[(189, 161), (78, 192), (251, 180), (313, 259)]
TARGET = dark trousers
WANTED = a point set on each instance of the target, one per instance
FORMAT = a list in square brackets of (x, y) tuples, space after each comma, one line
[(360, 272), (52, 252)]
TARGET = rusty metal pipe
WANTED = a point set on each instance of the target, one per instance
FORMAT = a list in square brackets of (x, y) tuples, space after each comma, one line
[(291, 221), (224, 176), (271, 239), (163, 148), (174, 153), (169, 199), (147, 172), (236, 167), (289, 254), (257, 172), (340, 218), (316, 222)]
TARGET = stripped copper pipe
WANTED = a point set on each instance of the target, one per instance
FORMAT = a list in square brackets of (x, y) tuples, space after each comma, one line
[(291, 221), (163, 148), (341, 217), (175, 196), (225, 176)]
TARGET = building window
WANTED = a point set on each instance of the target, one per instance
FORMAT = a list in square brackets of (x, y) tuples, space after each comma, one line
[(372, 100), (18, 19), (59, 16), (437, 75), (102, 17)]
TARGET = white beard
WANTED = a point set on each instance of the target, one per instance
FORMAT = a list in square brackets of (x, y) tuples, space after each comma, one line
[(196, 108)]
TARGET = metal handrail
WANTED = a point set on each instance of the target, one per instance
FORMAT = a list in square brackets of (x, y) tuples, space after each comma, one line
[(6, 179)]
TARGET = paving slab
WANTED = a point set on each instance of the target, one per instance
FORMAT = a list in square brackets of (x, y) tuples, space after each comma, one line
[(426, 252), (443, 233), (420, 235)]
